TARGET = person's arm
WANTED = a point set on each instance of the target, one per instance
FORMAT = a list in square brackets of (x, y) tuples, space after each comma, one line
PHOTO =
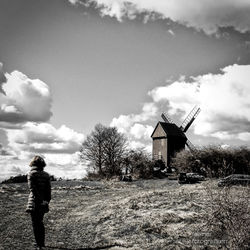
[(48, 190), (33, 187)]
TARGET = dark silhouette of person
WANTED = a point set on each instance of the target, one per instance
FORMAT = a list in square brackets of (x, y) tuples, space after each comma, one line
[(39, 198)]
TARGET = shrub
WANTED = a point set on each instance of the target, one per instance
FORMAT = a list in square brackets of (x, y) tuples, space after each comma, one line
[(93, 176), (139, 163), (214, 161), (145, 170), (229, 218), (53, 178), (16, 179)]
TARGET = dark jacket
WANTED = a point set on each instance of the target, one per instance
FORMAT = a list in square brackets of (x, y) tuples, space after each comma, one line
[(40, 188)]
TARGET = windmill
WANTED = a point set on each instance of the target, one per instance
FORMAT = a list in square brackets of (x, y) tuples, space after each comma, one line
[(168, 138)]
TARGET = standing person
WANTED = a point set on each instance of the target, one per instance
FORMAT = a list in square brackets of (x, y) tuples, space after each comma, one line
[(39, 198)]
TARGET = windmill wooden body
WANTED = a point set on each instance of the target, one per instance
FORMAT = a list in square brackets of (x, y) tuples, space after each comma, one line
[(168, 138)]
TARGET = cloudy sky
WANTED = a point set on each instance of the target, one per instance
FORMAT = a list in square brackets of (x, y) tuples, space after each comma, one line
[(66, 65)]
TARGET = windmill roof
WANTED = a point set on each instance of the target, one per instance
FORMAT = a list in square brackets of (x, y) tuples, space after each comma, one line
[(170, 129)]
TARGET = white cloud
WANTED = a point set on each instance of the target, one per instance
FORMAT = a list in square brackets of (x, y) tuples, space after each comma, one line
[(135, 144), (225, 146), (125, 122), (140, 131), (23, 99), (10, 166), (245, 136), (133, 126), (76, 171), (224, 100), (25, 106), (206, 14), (73, 1), (223, 135), (60, 148), (65, 165), (180, 95), (43, 138), (60, 165), (5, 151)]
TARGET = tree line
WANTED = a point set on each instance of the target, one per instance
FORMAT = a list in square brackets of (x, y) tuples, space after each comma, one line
[(214, 161), (107, 153)]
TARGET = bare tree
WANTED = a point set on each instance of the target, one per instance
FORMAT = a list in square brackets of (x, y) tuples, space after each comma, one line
[(114, 150), (104, 148), (92, 148)]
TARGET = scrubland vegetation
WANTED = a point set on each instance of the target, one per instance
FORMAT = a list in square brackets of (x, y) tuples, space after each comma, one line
[(214, 162), (228, 217)]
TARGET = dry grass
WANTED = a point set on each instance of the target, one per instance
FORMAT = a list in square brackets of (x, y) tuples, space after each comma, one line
[(149, 214), (229, 216)]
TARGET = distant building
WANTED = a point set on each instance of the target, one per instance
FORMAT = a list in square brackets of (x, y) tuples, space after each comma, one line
[(168, 139)]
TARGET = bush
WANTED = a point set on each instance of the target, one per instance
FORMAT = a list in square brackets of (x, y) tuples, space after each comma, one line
[(144, 169), (214, 161), (93, 176), (53, 178), (139, 164), (229, 218), (16, 179)]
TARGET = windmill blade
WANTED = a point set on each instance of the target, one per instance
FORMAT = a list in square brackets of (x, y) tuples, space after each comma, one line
[(166, 118), (190, 118), (191, 146)]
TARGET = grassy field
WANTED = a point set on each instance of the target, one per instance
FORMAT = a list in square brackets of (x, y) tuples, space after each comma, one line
[(144, 214)]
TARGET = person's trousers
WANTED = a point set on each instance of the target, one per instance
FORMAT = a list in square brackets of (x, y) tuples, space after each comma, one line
[(38, 227)]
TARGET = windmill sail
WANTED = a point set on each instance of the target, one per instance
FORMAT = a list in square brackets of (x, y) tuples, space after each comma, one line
[(177, 144), (191, 146), (189, 119), (166, 118)]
